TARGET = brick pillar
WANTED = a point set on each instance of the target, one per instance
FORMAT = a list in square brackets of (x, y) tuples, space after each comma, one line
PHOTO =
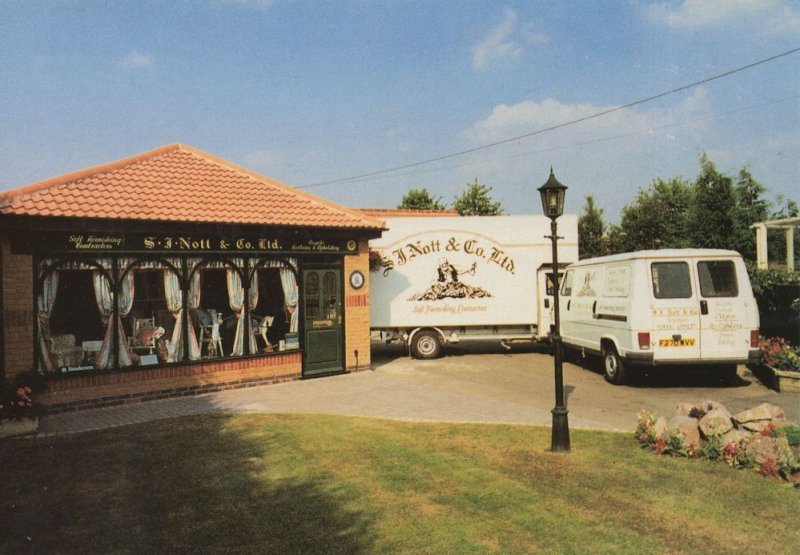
[(17, 311), (357, 310)]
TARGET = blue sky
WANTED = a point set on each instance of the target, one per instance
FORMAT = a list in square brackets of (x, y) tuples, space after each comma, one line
[(311, 92)]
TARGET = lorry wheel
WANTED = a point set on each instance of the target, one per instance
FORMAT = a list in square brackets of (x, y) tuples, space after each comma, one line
[(426, 345), (613, 367)]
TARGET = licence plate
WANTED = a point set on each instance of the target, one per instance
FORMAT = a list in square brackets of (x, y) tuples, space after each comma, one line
[(688, 342)]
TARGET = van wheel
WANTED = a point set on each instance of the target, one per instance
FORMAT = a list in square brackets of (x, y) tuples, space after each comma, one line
[(613, 367), (426, 345)]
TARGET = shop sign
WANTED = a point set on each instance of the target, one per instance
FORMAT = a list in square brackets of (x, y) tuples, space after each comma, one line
[(287, 243)]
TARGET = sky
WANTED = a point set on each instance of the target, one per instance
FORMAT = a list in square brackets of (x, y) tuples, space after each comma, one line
[(312, 93)]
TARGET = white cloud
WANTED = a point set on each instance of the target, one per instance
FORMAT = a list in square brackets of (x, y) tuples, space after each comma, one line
[(506, 121), (767, 15), (505, 41), (265, 159), (135, 59)]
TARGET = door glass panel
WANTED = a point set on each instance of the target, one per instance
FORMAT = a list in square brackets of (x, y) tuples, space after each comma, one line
[(312, 295), (671, 280), (566, 288), (329, 295), (717, 278)]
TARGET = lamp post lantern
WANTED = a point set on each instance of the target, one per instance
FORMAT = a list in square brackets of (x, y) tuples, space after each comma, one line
[(552, 193)]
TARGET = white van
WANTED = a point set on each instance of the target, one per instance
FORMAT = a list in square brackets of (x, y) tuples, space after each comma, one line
[(661, 307)]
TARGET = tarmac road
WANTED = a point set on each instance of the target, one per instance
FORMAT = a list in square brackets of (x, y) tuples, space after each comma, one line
[(471, 383)]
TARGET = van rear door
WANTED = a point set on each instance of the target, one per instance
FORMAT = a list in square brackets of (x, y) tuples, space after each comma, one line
[(722, 314), (544, 284), (675, 311)]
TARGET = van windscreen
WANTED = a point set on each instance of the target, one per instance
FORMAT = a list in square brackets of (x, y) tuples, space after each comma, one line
[(671, 280), (717, 278)]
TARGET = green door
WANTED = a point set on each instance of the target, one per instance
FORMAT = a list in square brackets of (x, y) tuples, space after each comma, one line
[(322, 307)]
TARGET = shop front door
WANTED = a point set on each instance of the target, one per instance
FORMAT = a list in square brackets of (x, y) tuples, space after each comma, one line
[(322, 306)]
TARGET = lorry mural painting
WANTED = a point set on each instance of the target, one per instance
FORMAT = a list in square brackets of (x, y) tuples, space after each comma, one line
[(439, 280)]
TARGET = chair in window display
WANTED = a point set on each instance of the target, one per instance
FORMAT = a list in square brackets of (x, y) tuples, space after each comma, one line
[(208, 322), (259, 327), (63, 350), (145, 335)]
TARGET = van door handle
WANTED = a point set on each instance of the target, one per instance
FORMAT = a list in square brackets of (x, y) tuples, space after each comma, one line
[(704, 307), (569, 302)]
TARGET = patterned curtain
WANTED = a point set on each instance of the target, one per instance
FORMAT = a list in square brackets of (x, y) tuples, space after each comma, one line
[(174, 297), (104, 297), (236, 302), (289, 284), (45, 302), (194, 304)]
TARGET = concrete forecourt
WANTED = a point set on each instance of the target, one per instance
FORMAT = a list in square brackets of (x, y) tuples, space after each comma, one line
[(466, 385)]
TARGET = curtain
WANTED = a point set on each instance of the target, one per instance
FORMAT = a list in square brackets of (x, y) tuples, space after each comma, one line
[(193, 304), (45, 302), (236, 302), (289, 284), (104, 297), (174, 297)]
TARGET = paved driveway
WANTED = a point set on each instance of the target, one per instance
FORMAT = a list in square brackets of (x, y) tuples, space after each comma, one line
[(467, 385)]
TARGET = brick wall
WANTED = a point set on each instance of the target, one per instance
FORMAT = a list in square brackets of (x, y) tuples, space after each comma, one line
[(133, 386), (357, 310), (17, 311)]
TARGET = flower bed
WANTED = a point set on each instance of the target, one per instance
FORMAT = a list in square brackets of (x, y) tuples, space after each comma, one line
[(780, 364), (759, 438)]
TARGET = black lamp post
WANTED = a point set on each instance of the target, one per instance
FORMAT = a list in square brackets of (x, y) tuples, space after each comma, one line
[(552, 194)]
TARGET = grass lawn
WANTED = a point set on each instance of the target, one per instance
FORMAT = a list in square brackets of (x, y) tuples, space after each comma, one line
[(277, 484)]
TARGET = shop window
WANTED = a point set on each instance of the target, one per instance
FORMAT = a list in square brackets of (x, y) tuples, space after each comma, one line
[(213, 320), (82, 312), (74, 331), (149, 325), (271, 319)]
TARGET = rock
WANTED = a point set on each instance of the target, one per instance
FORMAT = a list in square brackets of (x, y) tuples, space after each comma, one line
[(763, 448), (716, 422), (758, 426), (709, 404), (661, 427), (686, 427), (764, 411), (683, 409), (733, 436)]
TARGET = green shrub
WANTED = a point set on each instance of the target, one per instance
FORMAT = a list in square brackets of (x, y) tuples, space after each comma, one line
[(792, 432)]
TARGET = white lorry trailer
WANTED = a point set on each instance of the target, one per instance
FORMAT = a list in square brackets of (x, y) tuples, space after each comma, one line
[(439, 280)]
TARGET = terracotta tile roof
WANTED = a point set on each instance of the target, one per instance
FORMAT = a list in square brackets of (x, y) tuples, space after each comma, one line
[(404, 213), (179, 183)]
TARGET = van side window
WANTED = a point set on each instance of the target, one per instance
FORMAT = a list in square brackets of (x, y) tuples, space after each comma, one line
[(566, 287), (717, 278), (617, 281), (671, 280)]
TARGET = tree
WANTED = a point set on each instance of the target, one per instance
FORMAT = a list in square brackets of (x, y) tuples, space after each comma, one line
[(712, 214), (656, 219), (420, 199), (749, 208), (591, 231), (475, 201)]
